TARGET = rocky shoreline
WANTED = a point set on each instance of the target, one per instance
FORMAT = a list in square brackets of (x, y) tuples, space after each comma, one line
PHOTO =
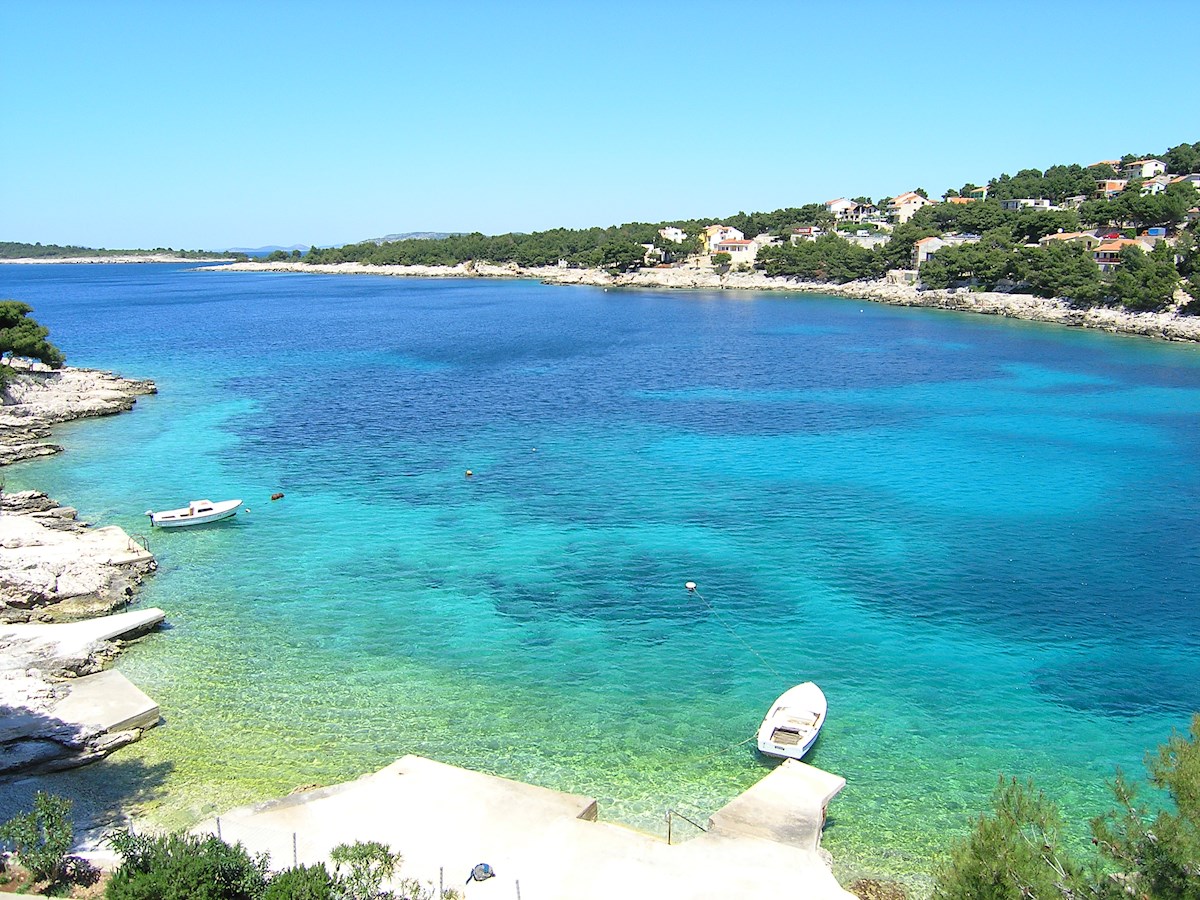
[(38, 397), (1168, 326), (58, 707)]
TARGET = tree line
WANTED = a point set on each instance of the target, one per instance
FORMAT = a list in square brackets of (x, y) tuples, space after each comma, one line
[(18, 250)]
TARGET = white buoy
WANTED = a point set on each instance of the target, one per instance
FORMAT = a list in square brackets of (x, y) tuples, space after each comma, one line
[(691, 585)]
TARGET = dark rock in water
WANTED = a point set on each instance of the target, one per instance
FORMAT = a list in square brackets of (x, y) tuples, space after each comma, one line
[(872, 889)]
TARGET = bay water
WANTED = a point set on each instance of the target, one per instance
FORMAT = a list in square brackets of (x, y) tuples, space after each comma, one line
[(979, 536)]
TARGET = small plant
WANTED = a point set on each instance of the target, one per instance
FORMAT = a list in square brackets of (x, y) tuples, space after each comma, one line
[(414, 889), (362, 868), (41, 838)]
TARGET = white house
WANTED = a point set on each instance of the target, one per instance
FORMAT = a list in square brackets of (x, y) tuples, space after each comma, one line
[(652, 255), (866, 212), (1085, 239), (1144, 168), (905, 206), (926, 247), (805, 233), (740, 250), (841, 208), (714, 234), (1028, 203), (673, 234)]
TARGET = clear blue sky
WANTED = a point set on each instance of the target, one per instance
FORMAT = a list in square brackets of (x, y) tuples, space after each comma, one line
[(242, 124)]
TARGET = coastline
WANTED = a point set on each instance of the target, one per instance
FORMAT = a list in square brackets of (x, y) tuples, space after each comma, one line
[(61, 581), (1167, 326)]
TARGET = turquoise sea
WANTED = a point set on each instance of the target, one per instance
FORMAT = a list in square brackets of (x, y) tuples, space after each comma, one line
[(980, 536)]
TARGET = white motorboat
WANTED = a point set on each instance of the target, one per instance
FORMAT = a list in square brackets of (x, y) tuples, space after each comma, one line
[(198, 512), (791, 726)]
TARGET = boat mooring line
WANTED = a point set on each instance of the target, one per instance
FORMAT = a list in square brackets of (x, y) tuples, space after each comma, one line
[(705, 759), (691, 587)]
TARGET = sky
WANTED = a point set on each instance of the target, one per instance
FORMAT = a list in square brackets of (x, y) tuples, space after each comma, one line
[(222, 124)]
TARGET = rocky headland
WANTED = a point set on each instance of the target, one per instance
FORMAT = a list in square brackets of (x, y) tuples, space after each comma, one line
[(58, 705), (37, 397), (1169, 326)]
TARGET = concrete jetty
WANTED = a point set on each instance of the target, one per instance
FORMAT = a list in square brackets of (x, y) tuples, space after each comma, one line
[(50, 722), (444, 820)]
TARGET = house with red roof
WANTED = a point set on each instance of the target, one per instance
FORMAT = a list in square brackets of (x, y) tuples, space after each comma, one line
[(1108, 254), (905, 206)]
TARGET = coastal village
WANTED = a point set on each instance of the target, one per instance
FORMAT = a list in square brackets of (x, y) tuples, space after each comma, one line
[(870, 225)]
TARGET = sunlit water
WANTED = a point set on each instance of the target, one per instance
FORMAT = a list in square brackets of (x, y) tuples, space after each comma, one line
[(979, 536)]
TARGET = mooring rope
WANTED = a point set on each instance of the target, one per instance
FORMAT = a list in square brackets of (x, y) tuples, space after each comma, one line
[(714, 755), (691, 586)]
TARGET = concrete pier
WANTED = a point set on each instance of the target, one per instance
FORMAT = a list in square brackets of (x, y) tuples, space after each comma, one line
[(69, 640), (48, 723), (442, 817)]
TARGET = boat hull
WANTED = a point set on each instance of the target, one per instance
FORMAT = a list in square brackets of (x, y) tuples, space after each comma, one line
[(793, 722), (199, 512)]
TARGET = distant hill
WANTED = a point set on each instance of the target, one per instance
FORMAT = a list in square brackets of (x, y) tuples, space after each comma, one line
[(413, 236), (267, 251)]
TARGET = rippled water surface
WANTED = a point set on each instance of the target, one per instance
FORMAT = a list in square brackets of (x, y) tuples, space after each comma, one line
[(979, 536)]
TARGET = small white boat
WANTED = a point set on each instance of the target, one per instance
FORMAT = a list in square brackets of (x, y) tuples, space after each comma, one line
[(198, 512), (793, 722)]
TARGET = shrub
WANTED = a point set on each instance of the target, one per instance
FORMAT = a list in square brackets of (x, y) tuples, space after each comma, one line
[(362, 868), (184, 867), (1016, 851), (41, 838), (302, 883)]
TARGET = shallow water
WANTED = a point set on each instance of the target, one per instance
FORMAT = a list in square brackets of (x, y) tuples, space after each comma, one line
[(978, 535)]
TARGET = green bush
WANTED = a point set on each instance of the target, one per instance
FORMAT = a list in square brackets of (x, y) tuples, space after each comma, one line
[(41, 838), (1016, 851), (184, 867), (302, 883)]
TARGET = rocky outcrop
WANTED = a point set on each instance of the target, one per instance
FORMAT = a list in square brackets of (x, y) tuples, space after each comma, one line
[(1165, 325), (37, 397), (54, 568)]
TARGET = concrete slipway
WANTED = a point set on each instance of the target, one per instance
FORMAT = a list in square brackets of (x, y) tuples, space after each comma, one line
[(104, 702), (546, 845)]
